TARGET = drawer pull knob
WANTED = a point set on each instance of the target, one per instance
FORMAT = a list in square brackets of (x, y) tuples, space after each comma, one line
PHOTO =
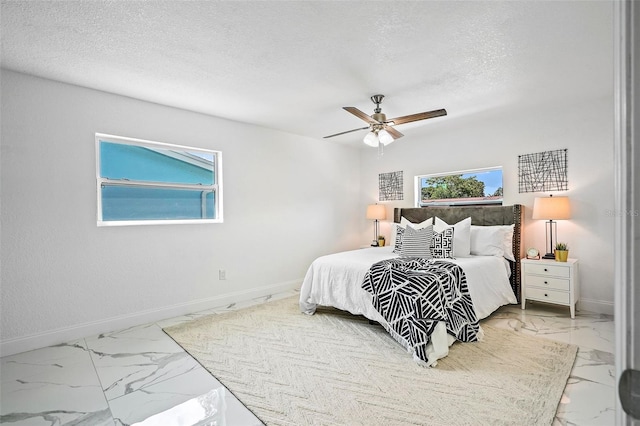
[(546, 295), (546, 270), (546, 282)]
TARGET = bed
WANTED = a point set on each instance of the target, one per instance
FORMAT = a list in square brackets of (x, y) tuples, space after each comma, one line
[(492, 280)]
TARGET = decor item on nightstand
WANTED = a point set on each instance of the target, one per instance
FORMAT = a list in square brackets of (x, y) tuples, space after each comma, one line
[(376, 212), (551, 208), (533, 253), (381, 240), (562, 252)]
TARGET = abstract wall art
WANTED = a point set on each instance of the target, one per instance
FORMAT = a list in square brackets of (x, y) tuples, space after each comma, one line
[(543, 171), (391, 186)]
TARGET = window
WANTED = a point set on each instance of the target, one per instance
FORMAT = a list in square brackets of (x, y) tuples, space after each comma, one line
[(141, 182), (482, 186)]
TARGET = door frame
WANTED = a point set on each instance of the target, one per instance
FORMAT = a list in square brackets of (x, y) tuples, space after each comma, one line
[(627, 296)]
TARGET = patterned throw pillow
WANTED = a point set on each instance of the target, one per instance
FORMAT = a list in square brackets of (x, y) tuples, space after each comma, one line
[(417, 242), (442, 244), (462, 239), (397, 248), (398, 231)]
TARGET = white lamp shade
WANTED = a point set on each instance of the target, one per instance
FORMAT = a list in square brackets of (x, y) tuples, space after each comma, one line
[(551, 208), (385, 137), (371, 139), (376, 211)]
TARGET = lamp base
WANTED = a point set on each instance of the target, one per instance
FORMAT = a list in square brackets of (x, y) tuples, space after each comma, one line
[(375, 244), (549, 256)]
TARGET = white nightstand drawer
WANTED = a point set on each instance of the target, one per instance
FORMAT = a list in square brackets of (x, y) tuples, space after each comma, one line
[(549, 270), (548, 282), (544, 295)]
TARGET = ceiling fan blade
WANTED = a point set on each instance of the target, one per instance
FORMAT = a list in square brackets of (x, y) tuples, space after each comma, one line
[(361, 115), (393, 132), (348, 131), (417, 117)]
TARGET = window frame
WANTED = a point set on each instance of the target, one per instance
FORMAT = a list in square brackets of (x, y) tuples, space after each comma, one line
[(418, 188), (216, 187)]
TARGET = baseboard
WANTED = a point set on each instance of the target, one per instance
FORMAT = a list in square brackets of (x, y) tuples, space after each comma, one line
[(597, 306), (66, 334)]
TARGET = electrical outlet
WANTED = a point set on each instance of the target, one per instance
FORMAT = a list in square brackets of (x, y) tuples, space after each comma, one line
[(222, 274)]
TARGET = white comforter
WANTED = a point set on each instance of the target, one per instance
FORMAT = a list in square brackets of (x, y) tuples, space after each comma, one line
[(336, 280)]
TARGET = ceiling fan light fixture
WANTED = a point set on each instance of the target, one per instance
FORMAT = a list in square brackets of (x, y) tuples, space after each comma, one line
[(384, 137), (371, 139), (382, 131)]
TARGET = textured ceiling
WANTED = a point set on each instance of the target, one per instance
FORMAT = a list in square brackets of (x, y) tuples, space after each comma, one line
[(293, 65)]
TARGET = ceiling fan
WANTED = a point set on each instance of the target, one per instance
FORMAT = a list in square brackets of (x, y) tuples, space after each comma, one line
[(381, 131)]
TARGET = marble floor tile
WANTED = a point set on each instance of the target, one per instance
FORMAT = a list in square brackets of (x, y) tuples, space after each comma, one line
[(595, 366), (586, 403), (52, 386), (195, 397), (131, 359), (586, 330)]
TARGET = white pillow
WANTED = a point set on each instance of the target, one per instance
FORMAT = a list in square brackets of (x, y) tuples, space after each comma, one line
[(461, 235), (493, 241), (421, 225), (508, 243)]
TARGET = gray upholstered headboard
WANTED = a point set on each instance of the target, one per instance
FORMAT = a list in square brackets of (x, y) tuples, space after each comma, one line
[(482, 216)]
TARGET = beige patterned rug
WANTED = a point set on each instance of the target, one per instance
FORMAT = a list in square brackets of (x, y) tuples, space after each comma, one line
[(333, 368)]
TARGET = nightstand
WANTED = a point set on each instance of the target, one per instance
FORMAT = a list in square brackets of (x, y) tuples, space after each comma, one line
[(550, 281)]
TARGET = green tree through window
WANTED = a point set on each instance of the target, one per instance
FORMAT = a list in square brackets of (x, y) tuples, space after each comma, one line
[(480, 186), (454, 186)]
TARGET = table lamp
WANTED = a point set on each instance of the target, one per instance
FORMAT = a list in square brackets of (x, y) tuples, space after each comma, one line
[(376, 212), (551, 208)]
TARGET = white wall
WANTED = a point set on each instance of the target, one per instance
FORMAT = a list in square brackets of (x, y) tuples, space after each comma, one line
[(496, 138), (287, 200)]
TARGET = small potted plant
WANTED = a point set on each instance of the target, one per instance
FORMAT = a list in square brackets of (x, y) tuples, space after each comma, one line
[(562, 252), (381, 241)]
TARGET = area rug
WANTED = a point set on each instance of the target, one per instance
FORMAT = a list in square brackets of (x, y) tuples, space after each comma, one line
[(334, 368)]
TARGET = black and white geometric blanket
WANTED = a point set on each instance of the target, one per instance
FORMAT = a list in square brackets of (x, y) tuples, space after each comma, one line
[(414, 294)]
